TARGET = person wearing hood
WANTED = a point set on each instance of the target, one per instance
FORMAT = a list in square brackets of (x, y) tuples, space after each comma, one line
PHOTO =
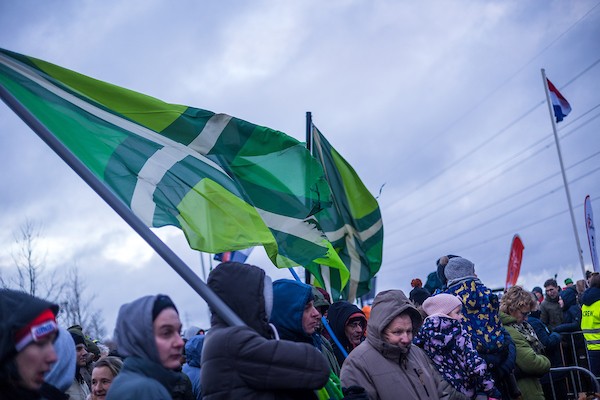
[(386, 364), (349, 325), (28, 330), (147, 335), (249, 362), (296, 316), (60, 377), (590, 322), (571, 320), (193, 352)]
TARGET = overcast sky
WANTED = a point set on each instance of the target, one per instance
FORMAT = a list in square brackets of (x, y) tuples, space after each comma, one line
[(440, 102)]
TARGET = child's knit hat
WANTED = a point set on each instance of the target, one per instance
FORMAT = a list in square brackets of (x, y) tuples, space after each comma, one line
[(441, 304), (459, 267)]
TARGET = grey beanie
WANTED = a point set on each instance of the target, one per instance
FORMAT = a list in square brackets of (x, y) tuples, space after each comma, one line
[(459, 267)]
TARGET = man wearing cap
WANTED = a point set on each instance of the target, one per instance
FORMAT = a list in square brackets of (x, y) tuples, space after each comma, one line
[(27, 332), (147, 335), (349, 325)]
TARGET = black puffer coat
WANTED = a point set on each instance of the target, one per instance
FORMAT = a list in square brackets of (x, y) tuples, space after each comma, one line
[(246, 362)]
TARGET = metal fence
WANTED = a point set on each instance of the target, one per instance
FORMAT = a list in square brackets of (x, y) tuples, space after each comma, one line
[(573, 380)]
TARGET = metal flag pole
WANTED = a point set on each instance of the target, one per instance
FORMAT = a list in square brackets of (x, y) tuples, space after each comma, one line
[(307, 276), (562, 169), (213, 301)]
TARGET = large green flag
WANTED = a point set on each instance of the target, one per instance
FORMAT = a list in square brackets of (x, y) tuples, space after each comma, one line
[(228, 184), (352, 223)]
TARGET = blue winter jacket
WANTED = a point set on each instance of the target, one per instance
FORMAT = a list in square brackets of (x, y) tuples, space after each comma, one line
[(193, 352)]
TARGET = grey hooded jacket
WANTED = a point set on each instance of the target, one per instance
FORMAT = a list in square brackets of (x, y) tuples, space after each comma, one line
[(386, 371), (142, 375)]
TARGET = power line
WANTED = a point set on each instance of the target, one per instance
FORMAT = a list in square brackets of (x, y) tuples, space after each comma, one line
[(509, 197), (448, 201), (489, 95), (503, 235), (506, 213)]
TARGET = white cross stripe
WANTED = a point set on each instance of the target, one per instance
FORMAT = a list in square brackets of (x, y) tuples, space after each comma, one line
[(206, 140), (154, 169), (146, 190)]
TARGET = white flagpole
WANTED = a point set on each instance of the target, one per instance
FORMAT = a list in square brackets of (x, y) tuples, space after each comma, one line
[(562, 169)]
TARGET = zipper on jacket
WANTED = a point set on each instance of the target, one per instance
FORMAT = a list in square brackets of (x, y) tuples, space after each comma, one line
[(418, 372), (403, 366)]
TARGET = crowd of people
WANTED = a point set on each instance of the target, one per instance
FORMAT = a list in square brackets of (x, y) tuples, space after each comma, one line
[(452, 338)]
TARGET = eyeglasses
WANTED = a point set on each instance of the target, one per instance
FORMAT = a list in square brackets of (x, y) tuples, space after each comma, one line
[(525, 314), (355, 324)]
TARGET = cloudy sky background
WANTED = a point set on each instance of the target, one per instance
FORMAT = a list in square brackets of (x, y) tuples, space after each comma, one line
[(439, 102)]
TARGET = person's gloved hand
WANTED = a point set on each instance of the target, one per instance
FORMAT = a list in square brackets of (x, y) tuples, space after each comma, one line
[(354, 393), (508, 365)]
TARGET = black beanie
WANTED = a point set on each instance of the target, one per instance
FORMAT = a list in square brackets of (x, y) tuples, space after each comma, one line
[(77, 336), (162, 301)]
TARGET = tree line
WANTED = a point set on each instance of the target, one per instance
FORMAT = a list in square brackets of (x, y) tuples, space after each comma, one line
[(30, 273)]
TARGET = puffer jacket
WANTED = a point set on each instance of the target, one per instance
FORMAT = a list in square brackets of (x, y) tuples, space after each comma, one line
[(451, 351), (193, 355), (390, 372), (245, 362)]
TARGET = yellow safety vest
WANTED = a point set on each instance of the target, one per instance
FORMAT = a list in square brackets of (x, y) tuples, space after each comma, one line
[(590, 325)]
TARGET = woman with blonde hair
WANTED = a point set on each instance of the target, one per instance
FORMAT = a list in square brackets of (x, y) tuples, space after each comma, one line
[(103, 374), (531, 364)]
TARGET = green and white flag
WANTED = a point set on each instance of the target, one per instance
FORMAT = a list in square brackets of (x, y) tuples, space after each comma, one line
[(352, 224), (227, 183)]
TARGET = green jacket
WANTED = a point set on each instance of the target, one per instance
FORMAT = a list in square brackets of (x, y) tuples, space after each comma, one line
[(532, 365)]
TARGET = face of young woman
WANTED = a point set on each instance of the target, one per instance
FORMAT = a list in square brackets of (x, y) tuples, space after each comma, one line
[(168, 340), (101, 380), (34, 361)]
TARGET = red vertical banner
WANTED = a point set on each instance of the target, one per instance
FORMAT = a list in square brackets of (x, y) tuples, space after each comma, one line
[(514, 261)]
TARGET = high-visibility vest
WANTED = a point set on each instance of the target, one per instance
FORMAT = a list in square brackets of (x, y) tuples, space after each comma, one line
[(590, 325)]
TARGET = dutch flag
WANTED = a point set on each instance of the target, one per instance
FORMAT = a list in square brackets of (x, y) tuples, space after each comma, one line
[(561, 106), (237, 256)]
